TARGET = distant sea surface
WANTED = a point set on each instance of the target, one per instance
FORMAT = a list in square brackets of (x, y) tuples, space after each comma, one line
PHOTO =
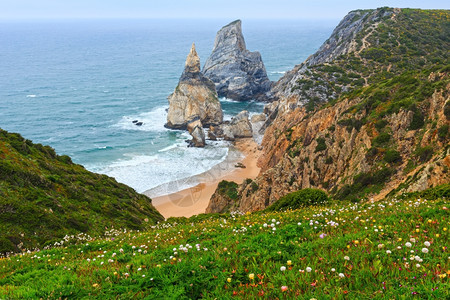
[(78, 85)]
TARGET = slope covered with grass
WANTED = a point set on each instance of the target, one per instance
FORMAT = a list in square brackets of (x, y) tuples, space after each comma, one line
[(392, 249), (44, 196), (368, 114)]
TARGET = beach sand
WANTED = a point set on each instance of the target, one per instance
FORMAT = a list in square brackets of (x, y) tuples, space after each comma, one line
[(193, 201)]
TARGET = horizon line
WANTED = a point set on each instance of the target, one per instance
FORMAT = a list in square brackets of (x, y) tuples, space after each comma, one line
[(168, 18)]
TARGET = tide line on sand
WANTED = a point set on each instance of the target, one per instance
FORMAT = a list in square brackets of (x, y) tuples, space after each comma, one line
[(194, 200)]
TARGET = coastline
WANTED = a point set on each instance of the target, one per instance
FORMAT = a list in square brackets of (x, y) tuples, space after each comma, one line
[(194, 200)]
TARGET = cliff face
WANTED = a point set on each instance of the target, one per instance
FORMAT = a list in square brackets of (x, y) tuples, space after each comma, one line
[(195, 97), (365, 116), (237, 73)]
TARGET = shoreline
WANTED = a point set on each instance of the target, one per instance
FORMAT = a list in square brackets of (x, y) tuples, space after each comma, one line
[(194, 200)]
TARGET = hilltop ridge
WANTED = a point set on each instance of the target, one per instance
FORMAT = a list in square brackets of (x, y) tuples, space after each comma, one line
[(45, 197)]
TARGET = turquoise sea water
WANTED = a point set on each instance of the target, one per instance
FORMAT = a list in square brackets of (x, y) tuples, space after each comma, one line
[(78, 85)]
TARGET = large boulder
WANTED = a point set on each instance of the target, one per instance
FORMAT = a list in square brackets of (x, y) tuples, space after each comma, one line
[(195, 129), (194, 97), (239, 127), (237, 73), (258, 118)]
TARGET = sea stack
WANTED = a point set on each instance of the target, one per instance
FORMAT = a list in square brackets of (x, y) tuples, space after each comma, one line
[(237, 73), (194, 99)]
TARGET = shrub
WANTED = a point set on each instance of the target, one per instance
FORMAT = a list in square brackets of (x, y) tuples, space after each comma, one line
[(382, 175), (417, 121), (424, 154), (254, 186), (377, 54), (380, 124), (363, 183), (289, 134), (320, 144), (305, 197), (382, 139), (351, 123), (443, 131), (447, 110), (6, 245), (312, 103), (440, 191), (229, 189), (392, 156), (65, 159)]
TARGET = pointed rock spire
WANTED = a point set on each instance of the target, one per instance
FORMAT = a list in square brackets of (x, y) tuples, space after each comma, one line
[(192, 64), (194, 98), (237, 73), (231, 36)]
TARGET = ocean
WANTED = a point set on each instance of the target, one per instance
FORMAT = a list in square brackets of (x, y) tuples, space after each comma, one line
[(78, 85)]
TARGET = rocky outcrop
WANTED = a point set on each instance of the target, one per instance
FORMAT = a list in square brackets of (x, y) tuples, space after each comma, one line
[(239, 127), (237, 73), (258, 118), (218, 203), (382, 132), (195, 129), (195, 97)]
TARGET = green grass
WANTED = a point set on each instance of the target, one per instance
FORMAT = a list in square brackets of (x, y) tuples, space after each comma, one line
[(414, 40), (242, 256), (298, 199), (44, 197)]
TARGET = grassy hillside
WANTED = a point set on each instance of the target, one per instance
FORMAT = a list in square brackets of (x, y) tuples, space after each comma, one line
[(392, 249), (390, 43), (44, 197)]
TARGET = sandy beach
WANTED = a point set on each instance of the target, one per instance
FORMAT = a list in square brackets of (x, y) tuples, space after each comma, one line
[(193, 201)]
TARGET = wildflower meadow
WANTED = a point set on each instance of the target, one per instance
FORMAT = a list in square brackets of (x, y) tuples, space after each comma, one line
[(392, 249)]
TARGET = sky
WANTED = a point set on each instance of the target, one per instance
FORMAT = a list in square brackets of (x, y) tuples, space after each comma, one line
[(196, 9)]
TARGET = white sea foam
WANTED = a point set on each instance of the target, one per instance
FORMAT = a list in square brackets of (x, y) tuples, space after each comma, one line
[(169, 148), (31, 96), (278, 72), (144, 172), (227, 117), (151, 121), (223, 99), (258, 103)]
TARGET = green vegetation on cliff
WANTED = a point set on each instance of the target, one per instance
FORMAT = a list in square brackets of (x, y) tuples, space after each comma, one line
[(44, 197), (228, 189), (390, 43), (299, 199), (394, 64)]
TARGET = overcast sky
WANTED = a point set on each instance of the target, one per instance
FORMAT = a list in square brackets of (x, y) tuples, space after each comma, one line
[(195, 9)]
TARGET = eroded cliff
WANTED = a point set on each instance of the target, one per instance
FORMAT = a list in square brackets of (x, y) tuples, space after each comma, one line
[(366, 115)]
